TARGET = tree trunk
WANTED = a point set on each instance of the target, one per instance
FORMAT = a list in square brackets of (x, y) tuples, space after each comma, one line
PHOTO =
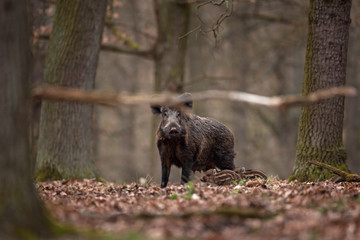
[(173, 18), (173, 22), (66, 131), (321, 125), (352, 105), (20, 210)]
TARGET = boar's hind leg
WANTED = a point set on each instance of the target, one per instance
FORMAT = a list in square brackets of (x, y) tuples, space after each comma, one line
[(165, 172), (225, 160), (186, 170)]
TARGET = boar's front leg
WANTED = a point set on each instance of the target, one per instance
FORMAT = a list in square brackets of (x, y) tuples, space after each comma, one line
[(188, 163), (165, 172), (185, 174), (165, 164)]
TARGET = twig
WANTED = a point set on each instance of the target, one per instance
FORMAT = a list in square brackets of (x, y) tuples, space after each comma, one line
[(190, 32), (216, 26), (349, 177), (123, 98), (222, 17)]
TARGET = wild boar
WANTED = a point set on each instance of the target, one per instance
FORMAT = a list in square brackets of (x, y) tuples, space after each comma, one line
[(250, 173), (224, 177), (191, 142)]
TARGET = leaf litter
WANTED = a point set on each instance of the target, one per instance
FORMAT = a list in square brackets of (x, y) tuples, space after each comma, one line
[(257, 209)]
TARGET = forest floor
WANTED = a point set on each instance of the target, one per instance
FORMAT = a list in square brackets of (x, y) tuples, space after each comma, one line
[(275, 209)]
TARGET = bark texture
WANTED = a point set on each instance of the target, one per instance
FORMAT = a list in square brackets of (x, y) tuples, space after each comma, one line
[(66, 131), (21, 213), (321, 124)]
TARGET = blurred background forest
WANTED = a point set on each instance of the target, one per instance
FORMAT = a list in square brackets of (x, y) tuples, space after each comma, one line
[(260, 49)]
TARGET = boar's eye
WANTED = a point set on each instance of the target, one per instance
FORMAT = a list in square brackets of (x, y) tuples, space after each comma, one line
[(165, 113), (178, 114)]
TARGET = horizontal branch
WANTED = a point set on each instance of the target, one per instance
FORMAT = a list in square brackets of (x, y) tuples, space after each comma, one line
[(264, 17), (148, 54), (124, 98), (120, 36)]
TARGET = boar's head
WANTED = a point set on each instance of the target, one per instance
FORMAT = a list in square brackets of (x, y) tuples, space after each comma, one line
[(209, 176), (173, 117)]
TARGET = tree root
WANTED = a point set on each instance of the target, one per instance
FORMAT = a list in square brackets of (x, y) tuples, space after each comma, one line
[(344, 176)]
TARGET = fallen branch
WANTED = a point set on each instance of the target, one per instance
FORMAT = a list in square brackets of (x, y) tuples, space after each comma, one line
[(243, 213), (122, 98), (348, 177)]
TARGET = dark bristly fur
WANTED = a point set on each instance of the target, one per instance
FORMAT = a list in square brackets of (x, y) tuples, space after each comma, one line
[(191, 142)]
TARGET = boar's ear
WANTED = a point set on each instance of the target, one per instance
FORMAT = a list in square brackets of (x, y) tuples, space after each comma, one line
[(156, 109), (187, 96)]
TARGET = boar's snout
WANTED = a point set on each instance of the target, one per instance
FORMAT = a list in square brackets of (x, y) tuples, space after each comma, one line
[(173, 129)]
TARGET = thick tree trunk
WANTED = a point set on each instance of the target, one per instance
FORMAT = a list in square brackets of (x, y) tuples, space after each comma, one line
[(20, 209), (321, 125), (66, 131)]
